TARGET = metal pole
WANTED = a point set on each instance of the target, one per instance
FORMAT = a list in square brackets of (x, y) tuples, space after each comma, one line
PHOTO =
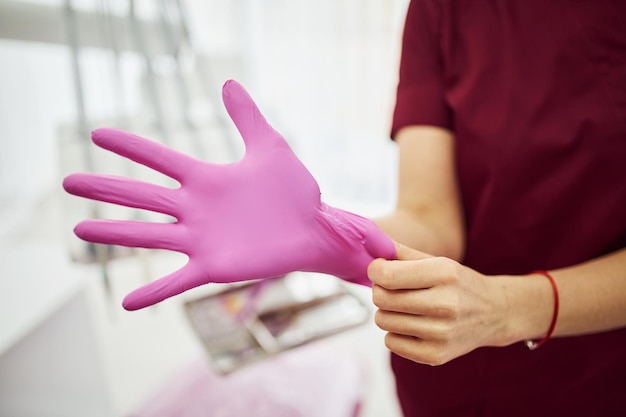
[(152, 84), (100, 252), (211, 93), (173, 44)]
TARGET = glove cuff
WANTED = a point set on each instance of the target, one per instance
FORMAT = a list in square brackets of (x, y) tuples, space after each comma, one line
[(352, 243)]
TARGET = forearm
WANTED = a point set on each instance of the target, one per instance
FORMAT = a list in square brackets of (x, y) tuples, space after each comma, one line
[(592, 298), (592, 295), (428, 214), (422, 231)]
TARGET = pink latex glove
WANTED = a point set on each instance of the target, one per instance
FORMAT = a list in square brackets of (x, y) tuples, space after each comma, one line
[(260, 217)]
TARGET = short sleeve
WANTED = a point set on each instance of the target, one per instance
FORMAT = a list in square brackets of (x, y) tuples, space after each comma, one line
[(420, 97)]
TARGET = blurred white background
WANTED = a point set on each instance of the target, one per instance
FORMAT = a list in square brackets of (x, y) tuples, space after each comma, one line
[(324, 74)]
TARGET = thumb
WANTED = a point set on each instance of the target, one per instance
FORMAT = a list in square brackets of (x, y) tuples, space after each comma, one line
[(405, 253), (246, 115), (396, 274)]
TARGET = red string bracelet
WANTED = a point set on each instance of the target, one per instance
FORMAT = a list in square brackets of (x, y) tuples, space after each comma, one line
[(532, 344)]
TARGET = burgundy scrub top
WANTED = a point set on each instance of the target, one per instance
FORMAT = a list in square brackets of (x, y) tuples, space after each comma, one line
[(535, 93)]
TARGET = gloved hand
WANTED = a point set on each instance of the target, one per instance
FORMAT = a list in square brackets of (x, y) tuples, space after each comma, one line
[(260, 217)]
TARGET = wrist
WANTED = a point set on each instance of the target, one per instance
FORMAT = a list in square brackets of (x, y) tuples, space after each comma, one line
[(528, 307)]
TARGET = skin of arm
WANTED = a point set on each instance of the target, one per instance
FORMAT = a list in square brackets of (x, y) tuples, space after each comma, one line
[(434, 309), (428, 213)]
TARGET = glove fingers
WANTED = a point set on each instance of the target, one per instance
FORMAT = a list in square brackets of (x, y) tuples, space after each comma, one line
[(243, 111), (152, 154), (132, 233), (123, 191), (170, 285)]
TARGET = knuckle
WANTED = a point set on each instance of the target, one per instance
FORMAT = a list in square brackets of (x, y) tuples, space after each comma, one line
[(426, 353), (445, 304), (435, 357), (382, 273), (450, 269), (389, 341), (448, 309), (380, 319), (379, 296), (440, 331), (373, 270), (436, 360)]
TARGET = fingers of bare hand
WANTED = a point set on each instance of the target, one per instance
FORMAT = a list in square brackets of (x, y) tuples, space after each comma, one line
[(412, 274), (422, 327), (440, 302), (417, 350)]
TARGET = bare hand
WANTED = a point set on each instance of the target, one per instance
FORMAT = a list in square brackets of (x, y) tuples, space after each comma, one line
[(434, 309)]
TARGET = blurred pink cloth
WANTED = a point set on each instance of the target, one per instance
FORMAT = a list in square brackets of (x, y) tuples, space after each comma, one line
[(305, 382)]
